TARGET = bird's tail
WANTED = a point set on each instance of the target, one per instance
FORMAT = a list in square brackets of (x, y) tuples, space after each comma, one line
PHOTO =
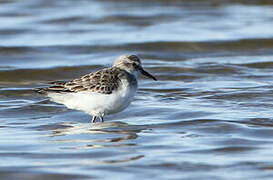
[(56, 86), (40, 90)]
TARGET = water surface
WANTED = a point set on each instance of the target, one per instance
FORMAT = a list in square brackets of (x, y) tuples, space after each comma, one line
[(208, 117)]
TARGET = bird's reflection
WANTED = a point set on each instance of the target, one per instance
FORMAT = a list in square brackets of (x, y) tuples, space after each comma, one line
[(96, 135), (110, 140)]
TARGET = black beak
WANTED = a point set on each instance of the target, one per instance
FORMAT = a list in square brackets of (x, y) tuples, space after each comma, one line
[(145, 73)]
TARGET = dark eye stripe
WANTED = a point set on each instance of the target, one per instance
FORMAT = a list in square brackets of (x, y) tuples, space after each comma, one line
[(134, 58)]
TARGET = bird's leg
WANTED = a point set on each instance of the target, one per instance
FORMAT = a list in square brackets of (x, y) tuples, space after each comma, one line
[(94, 119), (101, 118)]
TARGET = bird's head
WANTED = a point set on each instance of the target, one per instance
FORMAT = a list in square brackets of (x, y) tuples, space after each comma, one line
[(132, 64)]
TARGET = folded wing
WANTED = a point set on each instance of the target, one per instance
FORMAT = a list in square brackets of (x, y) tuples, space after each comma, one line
[(104, 81)]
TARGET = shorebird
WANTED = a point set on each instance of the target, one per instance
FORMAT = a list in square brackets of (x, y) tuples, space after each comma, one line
[(100, 93)]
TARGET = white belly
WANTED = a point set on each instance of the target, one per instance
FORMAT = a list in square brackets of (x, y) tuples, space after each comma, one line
[(97, 104)]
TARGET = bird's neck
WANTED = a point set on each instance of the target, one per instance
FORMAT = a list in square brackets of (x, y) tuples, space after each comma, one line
[(132, 72)]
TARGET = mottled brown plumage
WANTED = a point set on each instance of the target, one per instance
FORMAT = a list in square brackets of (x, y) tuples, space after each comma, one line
[(104, 81)]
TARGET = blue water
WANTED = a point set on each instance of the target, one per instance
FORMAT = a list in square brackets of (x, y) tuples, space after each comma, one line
[(209, 115)]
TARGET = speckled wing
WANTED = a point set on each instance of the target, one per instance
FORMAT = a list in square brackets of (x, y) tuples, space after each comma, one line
[(104, 81)]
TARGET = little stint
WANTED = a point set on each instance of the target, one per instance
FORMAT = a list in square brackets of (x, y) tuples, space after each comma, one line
[(100, 93)]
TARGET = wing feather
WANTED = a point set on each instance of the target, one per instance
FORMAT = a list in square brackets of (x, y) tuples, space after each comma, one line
[(104, 81)]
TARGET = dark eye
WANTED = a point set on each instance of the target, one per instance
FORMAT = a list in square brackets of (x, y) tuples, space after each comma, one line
[(135, 65)]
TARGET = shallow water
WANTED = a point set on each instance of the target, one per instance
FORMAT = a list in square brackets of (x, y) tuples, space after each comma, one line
[(208, 117)]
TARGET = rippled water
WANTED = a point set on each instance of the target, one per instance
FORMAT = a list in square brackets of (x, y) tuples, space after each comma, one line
[(208, 117)]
